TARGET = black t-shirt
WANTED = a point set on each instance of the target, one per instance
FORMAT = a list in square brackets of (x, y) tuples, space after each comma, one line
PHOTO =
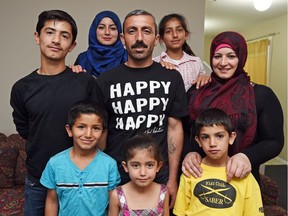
[(140, 100)]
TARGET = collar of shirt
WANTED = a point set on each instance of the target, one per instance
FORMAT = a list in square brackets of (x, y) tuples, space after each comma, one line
[(185, 58)]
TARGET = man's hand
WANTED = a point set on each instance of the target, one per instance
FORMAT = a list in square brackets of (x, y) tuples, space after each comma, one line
[(167, 65), (172, 187)]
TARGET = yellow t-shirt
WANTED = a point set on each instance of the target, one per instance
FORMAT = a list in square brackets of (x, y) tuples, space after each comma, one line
[(212, 195)]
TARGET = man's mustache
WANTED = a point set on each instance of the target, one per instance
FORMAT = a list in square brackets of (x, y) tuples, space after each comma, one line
[(139, 44)]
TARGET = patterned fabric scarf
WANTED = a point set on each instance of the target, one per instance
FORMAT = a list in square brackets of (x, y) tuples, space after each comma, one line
[(235, 96), (102, 57)]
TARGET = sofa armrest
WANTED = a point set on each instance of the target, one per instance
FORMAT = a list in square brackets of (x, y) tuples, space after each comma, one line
[(21, 170), (269, 190)]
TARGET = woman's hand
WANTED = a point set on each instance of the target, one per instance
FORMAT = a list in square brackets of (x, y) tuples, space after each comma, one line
[(238, 166), (202, 80), (167, 65), (191, 165), (77, 68)]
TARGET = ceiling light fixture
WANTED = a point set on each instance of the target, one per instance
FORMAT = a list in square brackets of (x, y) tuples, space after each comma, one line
[(262, 5)]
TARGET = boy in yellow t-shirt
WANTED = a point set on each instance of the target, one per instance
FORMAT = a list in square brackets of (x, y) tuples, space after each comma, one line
[(211, 194)]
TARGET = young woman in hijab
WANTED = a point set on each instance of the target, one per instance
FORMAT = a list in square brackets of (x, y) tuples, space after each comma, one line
[(105, 49), (254, 109)]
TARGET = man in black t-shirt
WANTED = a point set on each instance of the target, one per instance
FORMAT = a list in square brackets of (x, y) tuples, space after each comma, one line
[(141, 96)]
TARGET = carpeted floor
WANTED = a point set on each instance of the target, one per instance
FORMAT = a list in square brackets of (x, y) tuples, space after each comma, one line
[(279, 174)]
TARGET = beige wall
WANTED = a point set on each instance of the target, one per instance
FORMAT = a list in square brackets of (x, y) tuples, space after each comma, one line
[(278, 76), (19, 54)]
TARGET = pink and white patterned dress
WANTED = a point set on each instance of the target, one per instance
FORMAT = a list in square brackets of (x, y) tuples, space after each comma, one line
[(124, 209)]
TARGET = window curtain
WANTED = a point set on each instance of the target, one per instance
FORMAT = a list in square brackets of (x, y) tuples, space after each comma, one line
[(258, 61)]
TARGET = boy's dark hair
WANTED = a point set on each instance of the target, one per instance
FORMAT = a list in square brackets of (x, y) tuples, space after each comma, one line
[(137, 13), (213, 116), (86, 107), (140, 142), (186, 48), (56, 15)]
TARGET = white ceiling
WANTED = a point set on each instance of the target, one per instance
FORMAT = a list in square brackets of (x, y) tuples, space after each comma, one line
[(222, 15)]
